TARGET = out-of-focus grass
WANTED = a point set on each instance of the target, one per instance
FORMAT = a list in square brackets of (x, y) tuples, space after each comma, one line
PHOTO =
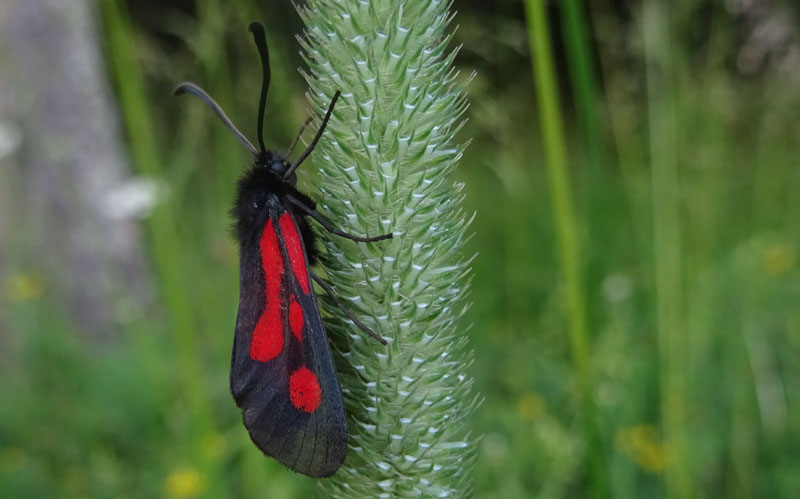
[(564, 220), (685, 181)]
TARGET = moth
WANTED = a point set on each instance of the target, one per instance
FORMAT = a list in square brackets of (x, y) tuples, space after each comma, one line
[(282, 375)]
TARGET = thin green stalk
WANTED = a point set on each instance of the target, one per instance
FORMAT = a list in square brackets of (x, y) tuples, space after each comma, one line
[(583, 79), (164, 245), (584, 90), (566, 225), (667, 243)]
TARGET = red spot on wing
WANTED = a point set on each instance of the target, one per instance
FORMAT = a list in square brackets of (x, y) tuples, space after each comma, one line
[(304, 390), (296, 318), (267, 340), (294, 248)]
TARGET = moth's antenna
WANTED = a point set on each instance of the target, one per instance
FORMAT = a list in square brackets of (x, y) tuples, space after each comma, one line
[(313, 143), (190, 88), (261, 42)]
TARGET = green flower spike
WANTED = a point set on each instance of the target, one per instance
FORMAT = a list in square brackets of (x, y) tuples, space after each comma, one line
[(385, 162)]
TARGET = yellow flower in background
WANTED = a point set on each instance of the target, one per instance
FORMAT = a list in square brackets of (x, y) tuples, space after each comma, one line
[(25, 286), (184, 483), (530, 406), (644, 445), (779, 259)]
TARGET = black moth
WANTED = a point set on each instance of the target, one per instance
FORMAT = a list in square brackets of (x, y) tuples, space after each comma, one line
[(282, 374)]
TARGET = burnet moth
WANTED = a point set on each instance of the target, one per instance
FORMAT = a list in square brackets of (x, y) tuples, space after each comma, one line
[(282, 375)]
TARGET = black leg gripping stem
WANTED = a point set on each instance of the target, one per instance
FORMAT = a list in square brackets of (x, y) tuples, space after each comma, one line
[(357, 322), (330, 228)]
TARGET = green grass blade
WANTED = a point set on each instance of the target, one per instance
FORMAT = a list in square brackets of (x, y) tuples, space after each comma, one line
[(165, 245), (566, 224), (667, 242)]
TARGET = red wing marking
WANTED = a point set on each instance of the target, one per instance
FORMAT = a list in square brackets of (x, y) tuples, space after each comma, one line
[(267, 340), (296, 319), (295, 250), (304, 390)]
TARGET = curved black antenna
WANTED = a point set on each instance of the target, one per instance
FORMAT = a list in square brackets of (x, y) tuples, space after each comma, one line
[(313, 143), (190, 88), (261, 42)]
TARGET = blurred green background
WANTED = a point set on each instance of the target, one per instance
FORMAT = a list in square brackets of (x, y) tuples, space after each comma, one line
[(665, 364)]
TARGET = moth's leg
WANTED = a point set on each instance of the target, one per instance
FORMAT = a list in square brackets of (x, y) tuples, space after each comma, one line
[(330, 228), (357, 322), (299, 133), (313, 143)]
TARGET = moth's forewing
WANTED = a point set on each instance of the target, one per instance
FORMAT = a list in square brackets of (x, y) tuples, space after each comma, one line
[(290, 399)]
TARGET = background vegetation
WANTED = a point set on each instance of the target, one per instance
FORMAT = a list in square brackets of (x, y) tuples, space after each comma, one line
[(636, 289)]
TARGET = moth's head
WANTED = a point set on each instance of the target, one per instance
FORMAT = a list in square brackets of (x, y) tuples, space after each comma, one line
[(276, 164)]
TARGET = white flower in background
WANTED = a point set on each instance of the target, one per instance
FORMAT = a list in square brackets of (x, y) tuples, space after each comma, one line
[(617, 288), (10, 138), (134, 198)]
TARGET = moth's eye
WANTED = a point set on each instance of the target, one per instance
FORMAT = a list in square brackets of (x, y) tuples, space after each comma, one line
[(279, 167), (254, 205)]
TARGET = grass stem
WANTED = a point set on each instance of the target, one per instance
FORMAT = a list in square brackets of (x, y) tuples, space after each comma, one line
[(566, 224)]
